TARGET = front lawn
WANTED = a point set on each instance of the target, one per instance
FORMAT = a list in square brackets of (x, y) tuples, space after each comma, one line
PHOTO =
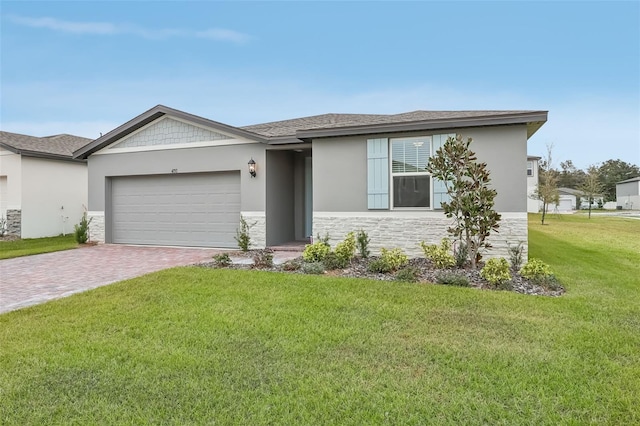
[(29, 246), (200, 346)]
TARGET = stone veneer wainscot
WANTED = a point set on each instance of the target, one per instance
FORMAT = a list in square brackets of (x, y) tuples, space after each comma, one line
[(406, 230)]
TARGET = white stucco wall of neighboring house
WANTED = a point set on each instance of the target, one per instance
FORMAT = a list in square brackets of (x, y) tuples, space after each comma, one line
[(10, 181), (53, 195)]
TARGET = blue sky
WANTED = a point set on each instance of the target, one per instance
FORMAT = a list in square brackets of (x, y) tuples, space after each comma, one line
[(87, 67)]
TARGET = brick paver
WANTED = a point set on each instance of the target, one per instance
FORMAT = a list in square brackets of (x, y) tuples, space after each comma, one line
[(30, 280)]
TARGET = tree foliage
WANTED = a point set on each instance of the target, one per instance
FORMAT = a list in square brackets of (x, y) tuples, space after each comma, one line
[(591, 187), (471, 200), (613, 171), (547, 189), (570, 176)]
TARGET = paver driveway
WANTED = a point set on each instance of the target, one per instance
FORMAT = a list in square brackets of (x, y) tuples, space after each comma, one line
[(30, 280)]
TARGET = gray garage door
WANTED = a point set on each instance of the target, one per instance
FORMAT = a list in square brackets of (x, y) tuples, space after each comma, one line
[(200, 209)]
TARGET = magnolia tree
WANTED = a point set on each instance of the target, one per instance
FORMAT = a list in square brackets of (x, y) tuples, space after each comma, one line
[(471, 199)]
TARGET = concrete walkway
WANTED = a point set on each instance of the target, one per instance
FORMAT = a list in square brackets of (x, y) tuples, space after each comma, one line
[(29, 280)]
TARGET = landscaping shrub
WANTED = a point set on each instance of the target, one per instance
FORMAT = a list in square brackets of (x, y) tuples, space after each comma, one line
[(222, 260), (452, 278), (535, 269), (461, 253), (263, 259), (242, 234), (81, 230), (389, 260), (346, 250), (439, 255), (292, 265), (496, 271), (324, 240), (315, 268), (515, 256), (316, 252), (333, 261), (408, 274), (549, 282), (363, 244)]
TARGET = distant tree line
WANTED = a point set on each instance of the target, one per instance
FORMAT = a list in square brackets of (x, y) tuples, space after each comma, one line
[(606, 174)]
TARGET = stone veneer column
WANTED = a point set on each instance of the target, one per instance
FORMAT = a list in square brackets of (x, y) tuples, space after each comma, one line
[(14, 222), (258, 231), (407, 230), (96, 227)]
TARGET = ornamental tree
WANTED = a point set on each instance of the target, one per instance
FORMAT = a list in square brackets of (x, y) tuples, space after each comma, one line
[(471, 199), (547, 189)]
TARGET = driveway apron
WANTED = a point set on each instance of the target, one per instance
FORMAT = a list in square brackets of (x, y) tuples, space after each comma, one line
[(29, 280)]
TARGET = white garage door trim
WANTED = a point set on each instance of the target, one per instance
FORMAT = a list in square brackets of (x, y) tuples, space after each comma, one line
[(193, 209)]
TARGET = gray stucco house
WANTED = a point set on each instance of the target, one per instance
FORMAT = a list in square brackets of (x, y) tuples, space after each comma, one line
[(172, 178)]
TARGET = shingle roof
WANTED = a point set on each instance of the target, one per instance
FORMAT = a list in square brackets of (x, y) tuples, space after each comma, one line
[(334, 121), (57, 145)]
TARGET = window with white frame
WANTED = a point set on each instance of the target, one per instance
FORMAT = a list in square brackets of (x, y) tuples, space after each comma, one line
[(411, 183), (397, 175), (529, 168)]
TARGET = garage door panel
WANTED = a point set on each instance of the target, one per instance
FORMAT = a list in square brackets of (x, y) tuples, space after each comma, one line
[(189, 209)]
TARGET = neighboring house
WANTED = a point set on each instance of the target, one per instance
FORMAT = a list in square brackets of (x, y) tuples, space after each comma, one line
[(42, 187), (628, 193), (167, 177), (569, 201), (533, 205)]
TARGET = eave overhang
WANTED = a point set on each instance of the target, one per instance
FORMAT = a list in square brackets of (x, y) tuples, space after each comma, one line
[(39, 154), (533, 120)]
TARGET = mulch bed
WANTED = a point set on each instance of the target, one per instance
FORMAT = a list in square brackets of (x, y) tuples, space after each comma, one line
[(427, 274)]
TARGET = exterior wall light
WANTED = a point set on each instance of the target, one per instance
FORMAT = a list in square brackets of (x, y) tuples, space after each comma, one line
[(252, 168)]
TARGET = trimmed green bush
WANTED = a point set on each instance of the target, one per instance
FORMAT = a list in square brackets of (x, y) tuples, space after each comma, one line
[(346, 250), (440, 255), (315, 268), (496, 271), (332, 262), (535, 269), (452, 278), (407, 274), (316, 252), (389, 260), (222, 260)]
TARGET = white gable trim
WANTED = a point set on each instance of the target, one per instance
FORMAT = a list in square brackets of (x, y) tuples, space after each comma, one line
[(221, 142)]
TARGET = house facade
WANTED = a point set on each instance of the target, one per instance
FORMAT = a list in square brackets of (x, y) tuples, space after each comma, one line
[(171, 178), (628, 194), (42, 187)]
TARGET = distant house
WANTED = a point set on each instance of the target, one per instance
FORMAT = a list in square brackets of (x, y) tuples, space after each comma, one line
[(573, 199), (628, 193), (533, 205), (42, 187)]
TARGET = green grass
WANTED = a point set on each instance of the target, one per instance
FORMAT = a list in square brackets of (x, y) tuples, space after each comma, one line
[(196, 346), (30, 246)]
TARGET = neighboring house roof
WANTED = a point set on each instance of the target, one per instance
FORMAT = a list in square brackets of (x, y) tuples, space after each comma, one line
[(302, 129), (576, 192), (56, 146), (533, 157), (635, 179)]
